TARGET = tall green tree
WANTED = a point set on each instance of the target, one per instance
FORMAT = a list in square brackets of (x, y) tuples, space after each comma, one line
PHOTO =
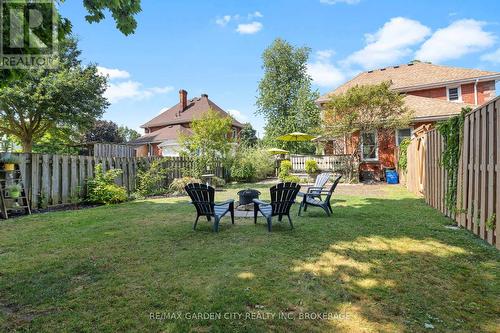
[(39, 100), (248, 136), (128, 134), (365, 108), (103, 131), (209, 141), (286, 99)]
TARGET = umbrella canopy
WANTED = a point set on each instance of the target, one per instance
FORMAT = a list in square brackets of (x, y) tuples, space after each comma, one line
[(277, 151), (296, 136)]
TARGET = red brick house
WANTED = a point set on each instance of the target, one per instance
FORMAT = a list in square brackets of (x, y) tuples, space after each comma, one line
[(433, 92), (162, 132)]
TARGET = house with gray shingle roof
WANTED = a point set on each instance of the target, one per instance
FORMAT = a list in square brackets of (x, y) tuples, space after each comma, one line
[(162, 132), (433, 92)]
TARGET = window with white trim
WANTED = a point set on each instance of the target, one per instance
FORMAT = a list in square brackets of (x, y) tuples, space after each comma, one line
[(454, 94), (402, 134), (369, 146)]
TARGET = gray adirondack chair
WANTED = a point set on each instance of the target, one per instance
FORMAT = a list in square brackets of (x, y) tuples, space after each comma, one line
[(319, 184), (202, 197), (311, 199), (282, 198)]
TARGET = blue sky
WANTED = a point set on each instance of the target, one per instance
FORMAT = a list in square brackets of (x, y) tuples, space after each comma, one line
[(214, 46)]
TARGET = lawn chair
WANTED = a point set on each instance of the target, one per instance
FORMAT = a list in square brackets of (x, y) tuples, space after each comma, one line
[(282, 198), (319, 184), (202, 197), (311, 199)]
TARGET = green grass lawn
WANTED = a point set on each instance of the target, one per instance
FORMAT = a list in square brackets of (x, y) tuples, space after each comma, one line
[(381, 263)]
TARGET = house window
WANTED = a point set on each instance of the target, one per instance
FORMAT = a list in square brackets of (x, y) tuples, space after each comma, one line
[(234, 133), (402, 134), (454, 94), (369, 146)]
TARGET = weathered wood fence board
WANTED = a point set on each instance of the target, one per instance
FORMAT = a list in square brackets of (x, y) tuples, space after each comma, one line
[(478, 190), (61, 179)]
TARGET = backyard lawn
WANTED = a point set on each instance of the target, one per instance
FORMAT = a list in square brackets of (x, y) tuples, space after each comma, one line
[(384, 262)]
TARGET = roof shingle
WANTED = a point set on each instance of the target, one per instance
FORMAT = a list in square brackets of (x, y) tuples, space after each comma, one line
[(406, 77)]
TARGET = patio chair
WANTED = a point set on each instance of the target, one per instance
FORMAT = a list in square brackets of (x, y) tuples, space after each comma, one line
[(319, 184), (282, 198), (311, 199), (202, 197)]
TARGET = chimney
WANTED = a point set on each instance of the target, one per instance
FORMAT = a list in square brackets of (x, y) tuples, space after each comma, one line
[(183, 99), (204, 95)]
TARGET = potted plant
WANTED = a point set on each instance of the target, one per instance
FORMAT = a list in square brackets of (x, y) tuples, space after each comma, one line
[(9, 161), (311, 168), (14, 191)]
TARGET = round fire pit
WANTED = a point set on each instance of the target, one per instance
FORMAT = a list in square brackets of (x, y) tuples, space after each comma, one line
[(246, 198)]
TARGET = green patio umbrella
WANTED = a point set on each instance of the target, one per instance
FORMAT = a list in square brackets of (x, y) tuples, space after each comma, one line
[(277, 151), (296, 137)]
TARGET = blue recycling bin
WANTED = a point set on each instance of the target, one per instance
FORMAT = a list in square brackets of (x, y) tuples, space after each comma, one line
[(392, 177)]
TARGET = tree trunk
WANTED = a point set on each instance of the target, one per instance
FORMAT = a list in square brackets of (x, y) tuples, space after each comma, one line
[(27, 145)]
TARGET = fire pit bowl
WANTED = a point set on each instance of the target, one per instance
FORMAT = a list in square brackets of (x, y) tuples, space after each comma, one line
[(247, 196)]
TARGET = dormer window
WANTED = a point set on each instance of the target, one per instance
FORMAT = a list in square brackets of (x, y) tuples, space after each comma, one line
[(454, 94)]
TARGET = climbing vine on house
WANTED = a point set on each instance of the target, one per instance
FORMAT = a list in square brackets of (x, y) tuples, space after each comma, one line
[(452, 131), (403, 154)]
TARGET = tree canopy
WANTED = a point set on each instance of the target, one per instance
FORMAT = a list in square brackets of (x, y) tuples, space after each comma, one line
[(209, 140), (285, 97), (248, 136), (39, 100), (365, 108)]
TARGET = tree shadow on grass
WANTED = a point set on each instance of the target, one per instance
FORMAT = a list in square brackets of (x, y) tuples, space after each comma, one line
[(389, 264)]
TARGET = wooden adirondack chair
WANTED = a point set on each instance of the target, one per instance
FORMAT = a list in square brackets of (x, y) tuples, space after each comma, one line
[(311, 199), (282, 198), (203, 197), (319, 184)]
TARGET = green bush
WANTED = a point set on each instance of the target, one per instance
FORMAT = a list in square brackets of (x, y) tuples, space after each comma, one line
[(403, 156), (102, 188), (285, 168), (291, 179), (251, 164), (178, 184), (243, 170), (218, 182), (311, 167), (152, 181)]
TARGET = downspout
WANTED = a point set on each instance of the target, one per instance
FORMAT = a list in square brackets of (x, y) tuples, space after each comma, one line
[(475, 91)]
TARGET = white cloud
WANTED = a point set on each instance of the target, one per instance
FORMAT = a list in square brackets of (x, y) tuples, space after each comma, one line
[(224, 20), (238, 115), (255, 14), (113, 73), (456, 40), (249, 28), (334, 2), (323, 72), (493, 57), (389, 44)]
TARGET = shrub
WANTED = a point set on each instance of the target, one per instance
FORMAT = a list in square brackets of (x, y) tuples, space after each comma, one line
[(218, 182), (251, 164), (311, 167), (403, 156), (178, 184), (285, 168), (102, 188), (291, 179), (152, 181), (243, 170)]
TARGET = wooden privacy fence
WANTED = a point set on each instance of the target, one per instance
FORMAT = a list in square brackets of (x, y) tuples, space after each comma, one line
[(61, 179), (478, 189), (479, 177), (325, 163)]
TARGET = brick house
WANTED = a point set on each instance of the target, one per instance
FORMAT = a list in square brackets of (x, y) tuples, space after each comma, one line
[(162, 132), (433, 92)]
